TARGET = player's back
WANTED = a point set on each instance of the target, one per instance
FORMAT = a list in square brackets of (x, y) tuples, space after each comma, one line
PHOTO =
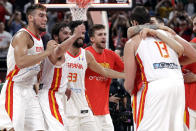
[(157, 60)]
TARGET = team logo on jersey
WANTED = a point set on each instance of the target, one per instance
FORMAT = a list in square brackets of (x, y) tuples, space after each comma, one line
[(162, 65), (105, 65), (80, 58), (76, 90), (98, 78)]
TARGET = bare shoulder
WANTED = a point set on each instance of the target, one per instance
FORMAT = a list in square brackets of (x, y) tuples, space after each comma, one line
[(89, 56), (22, 37), (133, 42)]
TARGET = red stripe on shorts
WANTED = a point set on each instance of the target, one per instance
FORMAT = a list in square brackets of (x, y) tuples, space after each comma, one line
[(51, 95), (142, 104), (9, 92)]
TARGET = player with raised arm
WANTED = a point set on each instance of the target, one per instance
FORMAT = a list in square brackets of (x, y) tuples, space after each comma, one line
[(80, 116), (54, 77)]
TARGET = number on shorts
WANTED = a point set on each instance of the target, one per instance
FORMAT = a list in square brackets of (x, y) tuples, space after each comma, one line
[(72, 77), (162, 49)]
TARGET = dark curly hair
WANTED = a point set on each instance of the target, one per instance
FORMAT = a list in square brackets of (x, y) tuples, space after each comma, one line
[(140, 14)]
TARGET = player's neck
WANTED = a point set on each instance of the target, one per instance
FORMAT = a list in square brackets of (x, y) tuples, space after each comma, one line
[(33, 30), (98, 50), (74, 50)]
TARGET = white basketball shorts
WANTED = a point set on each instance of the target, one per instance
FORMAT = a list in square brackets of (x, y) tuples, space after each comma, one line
[(159, 106), (22, 106)]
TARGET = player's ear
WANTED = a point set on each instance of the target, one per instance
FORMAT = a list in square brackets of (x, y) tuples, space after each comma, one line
[(92, 39), (134, 23), (30, 17)]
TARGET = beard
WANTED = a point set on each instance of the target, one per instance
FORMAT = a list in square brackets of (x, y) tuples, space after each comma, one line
[(42, 29), (79, 43), (100, 46)]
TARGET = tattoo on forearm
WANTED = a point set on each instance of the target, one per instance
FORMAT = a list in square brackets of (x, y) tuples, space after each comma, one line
[(138, 28)]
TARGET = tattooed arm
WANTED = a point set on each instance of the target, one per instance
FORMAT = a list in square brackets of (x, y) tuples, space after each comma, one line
[(132, 31)]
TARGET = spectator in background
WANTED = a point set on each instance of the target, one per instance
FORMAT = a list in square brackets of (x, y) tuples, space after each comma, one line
[(163, 8), (191, 7), (119, 29), (149, 6), (3, 11), (27, 5), (184, 29), (9, 8), (5, 38), (182, 24), (118, 105), (16, 23), (67, 17), (179, 7), (52, 20)]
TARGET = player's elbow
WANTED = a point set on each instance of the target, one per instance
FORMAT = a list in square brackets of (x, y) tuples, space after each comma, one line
[(59, 52), (20, 65)]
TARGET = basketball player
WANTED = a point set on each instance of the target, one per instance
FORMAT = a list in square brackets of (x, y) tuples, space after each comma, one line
[(156, 20), (54, 78), (160, 101), (23, 61), (98, 94), (80, 116), (190, 88)]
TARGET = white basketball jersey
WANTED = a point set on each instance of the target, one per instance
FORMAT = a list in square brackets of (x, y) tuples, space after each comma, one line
[(26, 75), (77, 66), (157, 60), (54, 77)]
